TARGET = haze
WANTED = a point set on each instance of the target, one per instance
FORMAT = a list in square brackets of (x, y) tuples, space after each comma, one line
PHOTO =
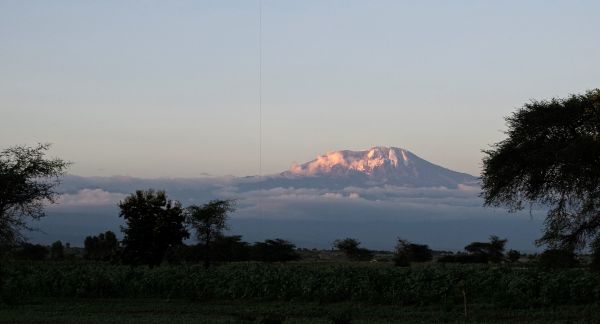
[(157, 89)]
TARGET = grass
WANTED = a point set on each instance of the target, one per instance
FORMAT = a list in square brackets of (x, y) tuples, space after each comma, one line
[(183, 311)]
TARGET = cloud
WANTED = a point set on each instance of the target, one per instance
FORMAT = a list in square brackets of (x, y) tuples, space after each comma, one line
[(89, 197), (384, 202)]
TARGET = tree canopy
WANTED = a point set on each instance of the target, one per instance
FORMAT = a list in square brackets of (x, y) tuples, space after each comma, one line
[(551, 157), (411, 251), (209, 221), (154, 224), (351, 247), (27, 181)]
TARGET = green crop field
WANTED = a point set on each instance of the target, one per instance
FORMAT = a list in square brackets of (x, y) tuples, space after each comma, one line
[(295, 293)]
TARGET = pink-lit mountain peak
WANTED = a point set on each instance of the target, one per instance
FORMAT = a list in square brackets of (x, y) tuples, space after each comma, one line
[(378, 165), (368, 162)]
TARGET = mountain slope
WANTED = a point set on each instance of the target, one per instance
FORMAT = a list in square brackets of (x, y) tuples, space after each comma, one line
[(374, 167)]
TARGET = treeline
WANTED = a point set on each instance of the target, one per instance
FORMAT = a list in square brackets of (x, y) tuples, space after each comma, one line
[(156, 227)]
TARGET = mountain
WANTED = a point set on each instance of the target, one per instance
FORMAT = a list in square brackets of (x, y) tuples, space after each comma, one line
[(374, 167)]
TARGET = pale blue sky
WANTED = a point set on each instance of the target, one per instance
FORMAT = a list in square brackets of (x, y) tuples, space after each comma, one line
[(170, 88)]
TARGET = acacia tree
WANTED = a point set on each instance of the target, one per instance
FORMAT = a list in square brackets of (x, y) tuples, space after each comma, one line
[(154, 224), (551, 157), (27, 181), (209, 221), (492, 250), (351, 247), (412, 252)]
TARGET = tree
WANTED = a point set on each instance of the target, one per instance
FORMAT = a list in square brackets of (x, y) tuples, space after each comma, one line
[(351, 248), (209, 221), (104, 247), (276, 250), (513, 256), (492, 250), (557, 259), (230, 248), (27, 181), (412, 252), (57, 251), (34, 252), (154, 224), (551, 157)]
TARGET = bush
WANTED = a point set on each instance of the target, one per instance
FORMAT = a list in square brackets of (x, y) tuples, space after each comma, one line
[(276, 250), (557, 259), (464, 258), (412, 252)]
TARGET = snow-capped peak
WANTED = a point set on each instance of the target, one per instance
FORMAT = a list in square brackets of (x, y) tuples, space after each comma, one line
[(360, 161), (379, 164)]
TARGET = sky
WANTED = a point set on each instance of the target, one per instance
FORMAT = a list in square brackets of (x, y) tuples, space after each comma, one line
[(171, 88)]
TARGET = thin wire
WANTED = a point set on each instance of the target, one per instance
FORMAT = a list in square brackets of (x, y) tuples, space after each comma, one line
[(260, 88), (260, 106)]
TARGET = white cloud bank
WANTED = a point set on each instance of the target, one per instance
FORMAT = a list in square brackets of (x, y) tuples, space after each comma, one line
[(88, 197)]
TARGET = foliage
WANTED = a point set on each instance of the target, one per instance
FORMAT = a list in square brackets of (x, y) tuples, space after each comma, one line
[(33, 252), (492, 250), (513, 256), (209, 221), (104, 247), (551, 157), (435, 285), (557, 258), (413, 252), (351, 247), (276, 250), (57, 251), (463, 258), (223, 249), (154, 224), (27, 181)]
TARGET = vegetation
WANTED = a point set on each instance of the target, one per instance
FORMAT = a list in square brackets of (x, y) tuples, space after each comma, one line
[(551, 157), (556, 258), (27, 180), (513, 256), (406, 252), (351, 247), (492, 251), (511, 287), (276, 250), (209, 221), (57, 251), (104, 247), (154, 224)]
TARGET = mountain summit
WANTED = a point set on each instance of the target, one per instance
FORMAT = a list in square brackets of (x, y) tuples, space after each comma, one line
[(378, 166)]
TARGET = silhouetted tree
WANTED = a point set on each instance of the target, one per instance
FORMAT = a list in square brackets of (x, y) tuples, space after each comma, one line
[(230, 249), (412, 252), (104, 247), (209, 221), (492, 250), (276, 250), (557, 258), (153, 225), (34, 252), (27, 181), (351, 247), (551, 157), (57, 251), (513, 256)]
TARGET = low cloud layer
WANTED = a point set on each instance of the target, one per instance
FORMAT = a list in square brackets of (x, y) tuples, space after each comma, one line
[(376, 215), (88, 198)]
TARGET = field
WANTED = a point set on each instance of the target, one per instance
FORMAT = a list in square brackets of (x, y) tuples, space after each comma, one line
[(295, 293)]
